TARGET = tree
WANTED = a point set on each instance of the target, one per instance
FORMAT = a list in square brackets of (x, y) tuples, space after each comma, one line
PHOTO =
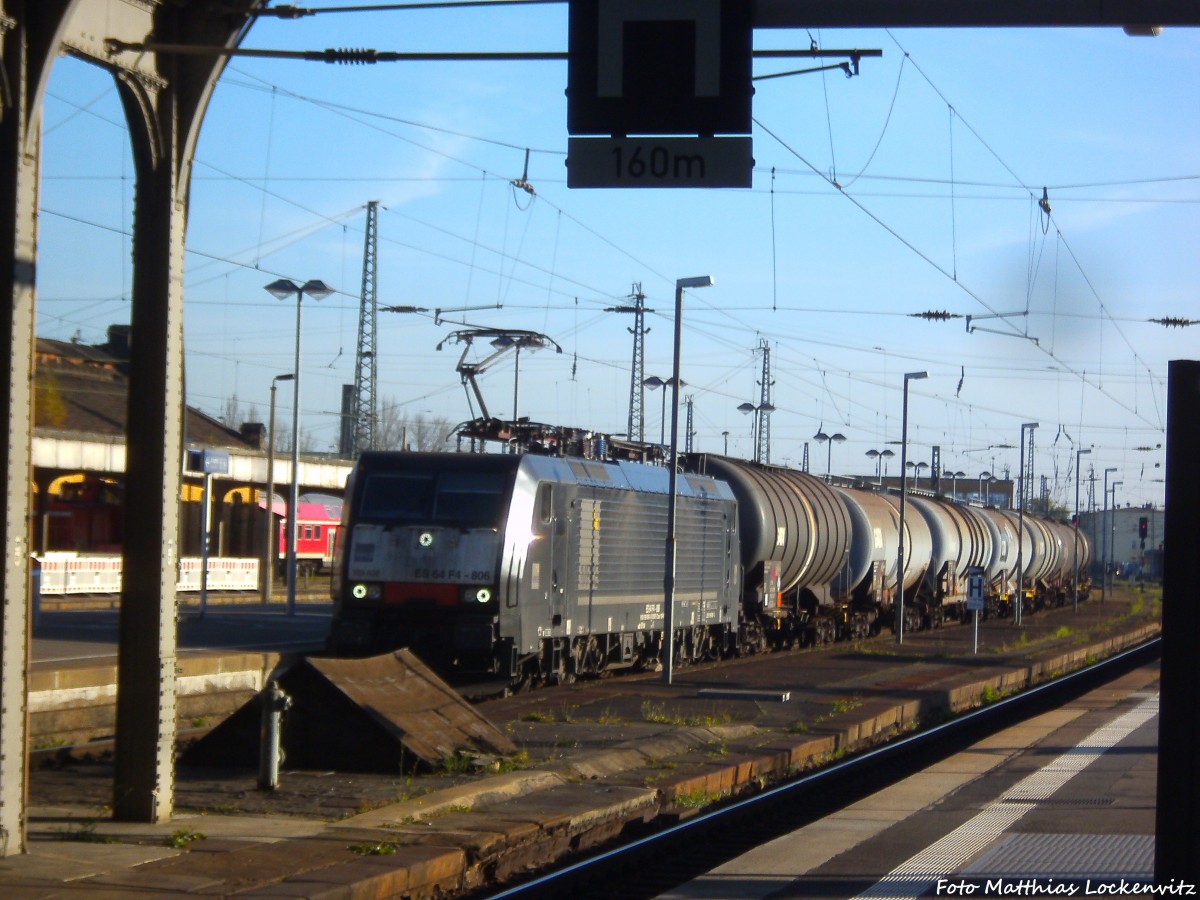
[(397, 431)]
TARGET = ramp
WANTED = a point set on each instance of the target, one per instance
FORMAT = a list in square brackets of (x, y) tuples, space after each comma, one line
[(387, 713)]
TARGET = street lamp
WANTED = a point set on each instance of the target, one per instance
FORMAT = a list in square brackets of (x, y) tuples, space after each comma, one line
[(1104, 538), (759, 411), (697, 281), (1018, 608), (985, 487), (828, 440), (908, 376), (954, 476), (725, 434), (1075, 557), (517, 341), (879, 456), (269, 555), (654, 382), (281, 290), (916, 468)]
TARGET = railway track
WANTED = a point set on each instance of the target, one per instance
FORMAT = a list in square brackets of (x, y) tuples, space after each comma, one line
[(649, 864)]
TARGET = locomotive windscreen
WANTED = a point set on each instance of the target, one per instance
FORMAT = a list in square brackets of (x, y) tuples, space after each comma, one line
[(464, 499)]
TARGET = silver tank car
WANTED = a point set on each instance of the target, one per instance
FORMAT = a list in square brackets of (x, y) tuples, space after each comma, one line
[(962, 539), (795, 533), (870, 569)]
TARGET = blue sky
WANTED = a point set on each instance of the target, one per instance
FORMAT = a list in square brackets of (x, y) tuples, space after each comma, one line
[(941, 148)]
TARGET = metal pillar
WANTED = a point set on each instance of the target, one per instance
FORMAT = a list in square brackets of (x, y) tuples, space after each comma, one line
[(1177, 842), (689, 428), (164, 98), (366, 367), (636, 427), (762, 449), (27, 49)]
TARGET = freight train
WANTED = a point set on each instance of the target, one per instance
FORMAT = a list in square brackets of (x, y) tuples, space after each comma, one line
[(542, 568)]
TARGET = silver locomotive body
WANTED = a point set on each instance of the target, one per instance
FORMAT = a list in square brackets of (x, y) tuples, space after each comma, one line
[(531, 567)]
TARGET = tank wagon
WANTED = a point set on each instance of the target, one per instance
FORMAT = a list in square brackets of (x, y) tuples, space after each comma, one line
[(540, 568)]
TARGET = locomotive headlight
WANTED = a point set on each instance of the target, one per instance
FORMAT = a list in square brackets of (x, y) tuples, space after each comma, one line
[(362, 591), (425, 539), (476, 596)]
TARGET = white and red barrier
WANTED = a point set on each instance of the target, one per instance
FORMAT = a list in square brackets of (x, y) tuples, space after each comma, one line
[(76, 573)]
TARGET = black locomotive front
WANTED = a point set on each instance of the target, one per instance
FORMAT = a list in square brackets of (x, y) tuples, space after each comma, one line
[(420, 561)]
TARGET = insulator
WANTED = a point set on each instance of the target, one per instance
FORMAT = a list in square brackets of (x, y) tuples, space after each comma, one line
[(350, 56)]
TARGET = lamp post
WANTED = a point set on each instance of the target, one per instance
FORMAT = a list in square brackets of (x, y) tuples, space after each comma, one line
[(954, 476), (1112, 531), (269, 555), (985, 487), (756, 422), (654, 382), (725, 434), (1075, 558), (1018, 607), (899, 603), (697, 281), (517, 341), (916, 468), (828, 440), (879, 456), (282, 290), (1104, 538)]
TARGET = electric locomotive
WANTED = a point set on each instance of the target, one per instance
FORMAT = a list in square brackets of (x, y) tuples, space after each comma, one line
[(534, 568)]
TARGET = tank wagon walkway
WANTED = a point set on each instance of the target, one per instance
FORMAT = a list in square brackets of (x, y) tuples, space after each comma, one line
[(597, 758)]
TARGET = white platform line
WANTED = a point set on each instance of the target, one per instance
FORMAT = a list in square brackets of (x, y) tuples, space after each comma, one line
[(918, 874)]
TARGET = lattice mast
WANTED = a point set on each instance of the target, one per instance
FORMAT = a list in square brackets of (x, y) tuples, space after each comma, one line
[(1027, 474), (762, 451), (636, 427), (366, 410), (690, 430)]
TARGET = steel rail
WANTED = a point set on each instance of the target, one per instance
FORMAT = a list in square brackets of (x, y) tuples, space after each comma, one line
[(946, 739)]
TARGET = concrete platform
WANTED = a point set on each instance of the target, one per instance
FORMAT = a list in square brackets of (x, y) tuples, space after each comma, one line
[(1063, 804), (597, 760)]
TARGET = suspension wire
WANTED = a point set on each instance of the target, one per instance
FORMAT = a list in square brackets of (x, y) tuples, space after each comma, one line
[(828, 117), (1107, 315), (970, 293), (883, 131), (953, 204), (262, 211), (1054, 315), (774, 269)]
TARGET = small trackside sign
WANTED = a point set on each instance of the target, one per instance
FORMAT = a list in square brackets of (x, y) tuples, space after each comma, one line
[(975, 588), (659, 162)]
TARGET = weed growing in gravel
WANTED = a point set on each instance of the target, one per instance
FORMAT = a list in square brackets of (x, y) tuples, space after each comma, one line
[(697, 799), (519, 760), (182, 838), (381, 848), (457, 763), (839, 706), (562, 714), (84, 831), (658, 714), (608, 717)]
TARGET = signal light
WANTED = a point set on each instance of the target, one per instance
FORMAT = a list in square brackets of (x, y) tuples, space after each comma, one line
[(1143, 527)]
